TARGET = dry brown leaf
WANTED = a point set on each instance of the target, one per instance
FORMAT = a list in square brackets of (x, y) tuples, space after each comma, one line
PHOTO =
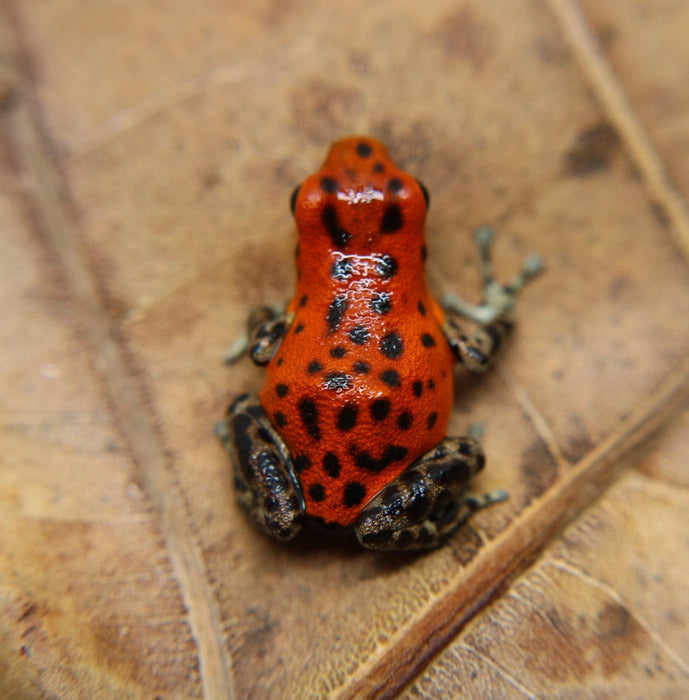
[(148, 152)]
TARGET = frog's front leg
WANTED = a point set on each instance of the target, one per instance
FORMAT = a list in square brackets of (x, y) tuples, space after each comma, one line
[(428, 501), (495, 315), (265, 481), (266, 327)]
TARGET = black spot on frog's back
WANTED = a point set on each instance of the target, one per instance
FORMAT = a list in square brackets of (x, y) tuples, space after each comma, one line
[(308, 412), (392, 219), (392, 346), (379, 409), (331, 465), (347, 417), (338, 235), (317, 492), (391, 454), (353, 494), (391, 378), (364, 149), (336, 311)]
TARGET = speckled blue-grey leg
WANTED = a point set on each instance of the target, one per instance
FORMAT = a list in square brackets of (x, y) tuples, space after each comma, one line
[(495, 315), (265, 482), (428, 501), (266, 327)]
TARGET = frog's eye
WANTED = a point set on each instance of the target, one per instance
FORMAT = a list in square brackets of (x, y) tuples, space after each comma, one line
[(424, 191), (293, 198)]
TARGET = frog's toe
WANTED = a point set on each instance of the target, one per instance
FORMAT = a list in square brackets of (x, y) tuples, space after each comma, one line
[(532, 267)]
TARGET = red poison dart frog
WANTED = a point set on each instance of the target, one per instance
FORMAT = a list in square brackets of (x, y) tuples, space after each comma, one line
[(349, 429)]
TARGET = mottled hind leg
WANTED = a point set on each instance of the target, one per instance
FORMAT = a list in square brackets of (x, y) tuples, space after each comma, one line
[(266, 327), (264, 475), (428, 501), (495, 315)]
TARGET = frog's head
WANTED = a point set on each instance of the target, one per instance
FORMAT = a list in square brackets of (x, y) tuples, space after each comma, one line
[(360, 202)]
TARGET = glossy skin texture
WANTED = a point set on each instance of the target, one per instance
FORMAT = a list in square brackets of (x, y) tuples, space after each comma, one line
[(362, 383), (349, 427)]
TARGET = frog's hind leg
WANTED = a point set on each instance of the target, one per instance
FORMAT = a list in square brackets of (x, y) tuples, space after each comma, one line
[(263, 469), (495, 315), (428, 501)]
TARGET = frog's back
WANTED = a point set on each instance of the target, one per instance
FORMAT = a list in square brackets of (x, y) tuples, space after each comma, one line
[(362, 383)]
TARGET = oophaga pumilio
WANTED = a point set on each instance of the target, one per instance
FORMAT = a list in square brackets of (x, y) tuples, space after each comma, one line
[(349, 429)]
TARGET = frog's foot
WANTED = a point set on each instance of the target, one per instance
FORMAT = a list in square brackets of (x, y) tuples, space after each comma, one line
[(266, 327), (264, 474), (495, 315), (428, 501), (498, 299)]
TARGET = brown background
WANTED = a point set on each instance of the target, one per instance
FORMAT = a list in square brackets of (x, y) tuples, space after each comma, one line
[(148, 150)]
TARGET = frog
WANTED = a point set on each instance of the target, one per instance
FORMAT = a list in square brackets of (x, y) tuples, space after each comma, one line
[(348, 431)]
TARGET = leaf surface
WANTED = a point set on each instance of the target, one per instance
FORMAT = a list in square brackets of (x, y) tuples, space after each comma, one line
[(148, 156)]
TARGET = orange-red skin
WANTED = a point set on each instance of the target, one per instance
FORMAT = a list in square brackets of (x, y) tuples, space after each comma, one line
[(362, 198)]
